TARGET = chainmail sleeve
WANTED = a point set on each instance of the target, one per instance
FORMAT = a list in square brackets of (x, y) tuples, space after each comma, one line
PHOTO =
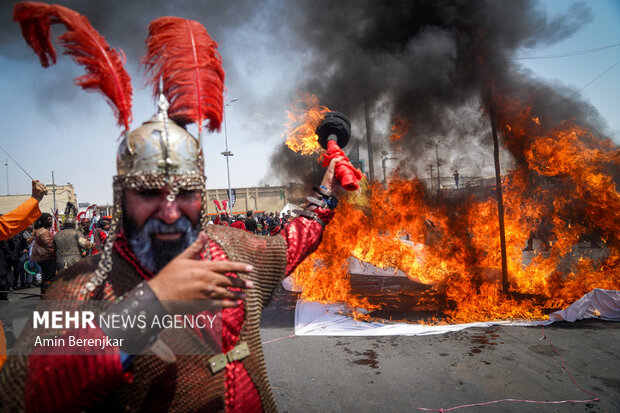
[(48, 383)]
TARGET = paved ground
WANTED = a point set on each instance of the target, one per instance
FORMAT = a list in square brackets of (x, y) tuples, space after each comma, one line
[(401, 374)]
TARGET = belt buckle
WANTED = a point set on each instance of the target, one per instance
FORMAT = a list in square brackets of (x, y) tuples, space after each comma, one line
[(239, 352), (217, 363)]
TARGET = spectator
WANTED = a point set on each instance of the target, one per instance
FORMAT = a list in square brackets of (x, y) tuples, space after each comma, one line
[(43, 251), (20, 256), (250, 223), (275, 226), (264, 225), (5, 255)]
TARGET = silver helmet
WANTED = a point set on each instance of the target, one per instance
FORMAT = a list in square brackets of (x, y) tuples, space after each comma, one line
[(160, 154)]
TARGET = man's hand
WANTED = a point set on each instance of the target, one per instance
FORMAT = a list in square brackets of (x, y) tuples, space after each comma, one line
[(329, 179), (38, 190), (186, 278)]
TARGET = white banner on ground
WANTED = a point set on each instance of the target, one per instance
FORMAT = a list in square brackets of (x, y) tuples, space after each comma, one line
[(598, 303), (316, 319)]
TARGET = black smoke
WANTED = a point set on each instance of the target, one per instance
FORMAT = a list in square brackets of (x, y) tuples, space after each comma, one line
[(429, 62), (124, 24), (432, 63)]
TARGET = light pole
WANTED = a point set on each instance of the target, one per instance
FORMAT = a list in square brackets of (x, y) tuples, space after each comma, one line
[(430, 166), (228, 154), (384, 159), (6, 165), (438, 175)]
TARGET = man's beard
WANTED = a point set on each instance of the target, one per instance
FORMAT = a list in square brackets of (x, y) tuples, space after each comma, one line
[(153, 253)]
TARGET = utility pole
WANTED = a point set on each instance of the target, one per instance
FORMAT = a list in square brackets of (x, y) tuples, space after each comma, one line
[(371, 168), (438, 175), (430, 166), (500, 200), (384, 159)]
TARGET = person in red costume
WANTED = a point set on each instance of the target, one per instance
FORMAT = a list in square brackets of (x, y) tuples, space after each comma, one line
[(238, 223), (186, 276), (160, 249)]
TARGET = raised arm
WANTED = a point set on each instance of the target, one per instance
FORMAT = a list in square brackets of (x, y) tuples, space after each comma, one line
[(17, 220), (303, 234)]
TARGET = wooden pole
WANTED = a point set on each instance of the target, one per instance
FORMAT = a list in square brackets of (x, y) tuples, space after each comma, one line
[(371, 167), (500, 199)]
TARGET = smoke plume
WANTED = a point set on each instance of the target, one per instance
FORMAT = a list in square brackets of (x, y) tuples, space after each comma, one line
[(434, 64)]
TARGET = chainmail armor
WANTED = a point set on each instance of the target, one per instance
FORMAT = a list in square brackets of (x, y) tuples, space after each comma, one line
[(186, 384)]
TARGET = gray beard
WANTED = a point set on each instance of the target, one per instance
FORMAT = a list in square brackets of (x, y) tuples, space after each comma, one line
[(154, 254)]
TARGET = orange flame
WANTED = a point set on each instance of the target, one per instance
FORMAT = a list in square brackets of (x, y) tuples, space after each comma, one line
[(301, 124), (562, 195)]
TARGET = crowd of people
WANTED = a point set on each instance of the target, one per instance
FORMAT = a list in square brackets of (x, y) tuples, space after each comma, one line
[(36, 254), (257, 223), (17, 233), (33, 256)]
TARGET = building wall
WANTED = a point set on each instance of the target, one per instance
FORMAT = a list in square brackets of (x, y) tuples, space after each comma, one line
[(263, 198), (64, 194)]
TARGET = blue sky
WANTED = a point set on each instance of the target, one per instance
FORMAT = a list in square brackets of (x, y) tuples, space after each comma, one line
[(52, 125), (577, 71)]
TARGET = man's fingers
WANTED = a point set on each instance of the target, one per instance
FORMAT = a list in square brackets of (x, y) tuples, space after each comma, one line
[(194, 250), (239, 283), (230, 304), (228, 266), (220, 280), (221, 293)]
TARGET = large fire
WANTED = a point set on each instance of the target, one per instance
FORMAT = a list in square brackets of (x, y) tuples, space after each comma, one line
[(563, 194)]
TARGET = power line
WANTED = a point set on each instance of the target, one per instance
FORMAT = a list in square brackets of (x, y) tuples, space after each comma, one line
[(592, 81), (568, 54)]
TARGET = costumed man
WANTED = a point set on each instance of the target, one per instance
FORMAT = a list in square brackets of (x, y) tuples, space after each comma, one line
[(160, 249), (85, 226), (222, 219), (100, 235), (69, 243), (239, 223)]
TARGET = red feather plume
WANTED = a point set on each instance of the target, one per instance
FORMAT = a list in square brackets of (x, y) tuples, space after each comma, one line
[(183, 55), (104, 65)]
